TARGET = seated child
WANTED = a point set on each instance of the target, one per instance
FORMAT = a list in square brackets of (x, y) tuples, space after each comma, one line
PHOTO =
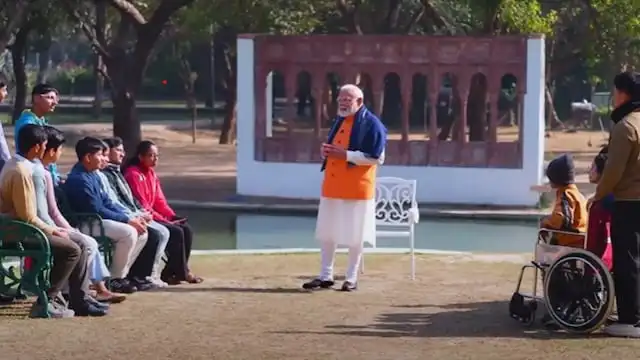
[(598, 235), (569, 212)]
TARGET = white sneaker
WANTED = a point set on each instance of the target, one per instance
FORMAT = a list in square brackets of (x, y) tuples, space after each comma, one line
[(622, 330), (55, 311), (157, 281)]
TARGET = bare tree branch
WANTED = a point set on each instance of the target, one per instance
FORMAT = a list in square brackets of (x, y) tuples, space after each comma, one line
[(413, 21), (88, 29), (104, 74), (391, 20), (436, 18), (129, 11), (351, 14)]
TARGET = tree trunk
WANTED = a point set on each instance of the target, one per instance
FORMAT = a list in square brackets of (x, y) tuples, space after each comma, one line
[(44, 58), (211, 94), (98, 64), (193, 106), (18, 56), (227, 133), (125, 120), (554, 121), (99, 96)]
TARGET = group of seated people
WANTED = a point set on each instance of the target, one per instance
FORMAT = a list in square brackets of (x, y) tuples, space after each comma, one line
[(151, 244), (573, 216)]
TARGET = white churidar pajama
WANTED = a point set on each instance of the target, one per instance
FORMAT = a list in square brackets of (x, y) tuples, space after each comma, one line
[(348, 223)]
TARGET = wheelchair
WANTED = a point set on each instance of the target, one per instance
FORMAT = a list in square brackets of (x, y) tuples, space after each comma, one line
[(578, 290)]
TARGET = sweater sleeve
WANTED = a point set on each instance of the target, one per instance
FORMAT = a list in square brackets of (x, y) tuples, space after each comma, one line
[(24, 198), (5, 154), (52, 204), (137, 184), (160, 204), (622, 137), (561, 218), (91, 199)]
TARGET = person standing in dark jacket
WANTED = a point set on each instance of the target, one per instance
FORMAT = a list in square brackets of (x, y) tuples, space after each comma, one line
[(621, 177)]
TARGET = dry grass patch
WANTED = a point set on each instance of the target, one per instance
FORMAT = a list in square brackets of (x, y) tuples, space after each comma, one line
[(251, 307)]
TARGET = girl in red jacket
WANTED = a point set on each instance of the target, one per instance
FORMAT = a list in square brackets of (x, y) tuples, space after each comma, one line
[(145, 186), (598, 235)]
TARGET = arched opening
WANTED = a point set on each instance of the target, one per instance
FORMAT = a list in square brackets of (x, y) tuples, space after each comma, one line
[(392, 102), (477, 118)]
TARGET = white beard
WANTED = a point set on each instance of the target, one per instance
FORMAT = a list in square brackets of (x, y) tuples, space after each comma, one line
[(346, 113)]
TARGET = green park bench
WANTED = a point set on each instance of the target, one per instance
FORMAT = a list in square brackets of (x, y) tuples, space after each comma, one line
[(19, 240)]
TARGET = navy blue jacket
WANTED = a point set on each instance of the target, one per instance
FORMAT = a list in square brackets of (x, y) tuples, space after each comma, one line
[(85, 194), (368, 134)]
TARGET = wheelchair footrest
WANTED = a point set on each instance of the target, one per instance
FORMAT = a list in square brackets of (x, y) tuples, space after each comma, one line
[(522, 309)]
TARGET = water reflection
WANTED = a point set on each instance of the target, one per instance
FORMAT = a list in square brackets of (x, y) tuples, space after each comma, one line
[(230, 231)]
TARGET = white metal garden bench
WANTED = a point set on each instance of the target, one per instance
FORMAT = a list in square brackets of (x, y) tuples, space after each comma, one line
[(397, 212)]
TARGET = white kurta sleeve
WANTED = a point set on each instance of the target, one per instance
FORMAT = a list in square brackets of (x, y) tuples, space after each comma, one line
[(359, 158)]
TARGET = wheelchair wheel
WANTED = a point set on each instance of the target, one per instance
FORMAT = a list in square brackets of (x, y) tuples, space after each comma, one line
[(579, 292)]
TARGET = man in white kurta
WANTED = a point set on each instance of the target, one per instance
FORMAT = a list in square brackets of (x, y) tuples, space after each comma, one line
[(346, 215)]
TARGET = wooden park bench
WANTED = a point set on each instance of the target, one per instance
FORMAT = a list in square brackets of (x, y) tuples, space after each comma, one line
[(20, 241)]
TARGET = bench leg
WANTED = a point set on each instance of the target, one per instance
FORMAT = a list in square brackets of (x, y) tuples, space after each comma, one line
[(8, 282)]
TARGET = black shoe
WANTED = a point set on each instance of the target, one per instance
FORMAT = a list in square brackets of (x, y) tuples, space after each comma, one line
[(349, 286), (85, 308), (122, 286), (318, 284), (96, 303), (142, 284)]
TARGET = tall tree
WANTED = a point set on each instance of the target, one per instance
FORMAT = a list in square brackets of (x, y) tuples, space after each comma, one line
[(126, 53), (12, 13)]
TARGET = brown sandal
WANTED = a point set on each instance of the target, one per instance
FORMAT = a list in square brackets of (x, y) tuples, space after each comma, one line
[(194, 279)]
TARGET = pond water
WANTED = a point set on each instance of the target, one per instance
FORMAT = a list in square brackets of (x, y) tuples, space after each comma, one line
[(217, 230)]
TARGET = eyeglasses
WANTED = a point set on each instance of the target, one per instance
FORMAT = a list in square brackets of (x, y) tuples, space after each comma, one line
[(49, 97)]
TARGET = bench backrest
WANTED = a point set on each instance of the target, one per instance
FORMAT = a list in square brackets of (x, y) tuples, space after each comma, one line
[(395, 201)]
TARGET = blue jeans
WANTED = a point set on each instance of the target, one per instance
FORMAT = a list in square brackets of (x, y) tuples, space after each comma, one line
[(162, 245)]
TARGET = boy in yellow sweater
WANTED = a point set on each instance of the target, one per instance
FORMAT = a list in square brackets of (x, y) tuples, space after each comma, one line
[(18, 200)]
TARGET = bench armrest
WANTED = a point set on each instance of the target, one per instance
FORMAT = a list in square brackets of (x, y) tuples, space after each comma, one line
[(19, 235)]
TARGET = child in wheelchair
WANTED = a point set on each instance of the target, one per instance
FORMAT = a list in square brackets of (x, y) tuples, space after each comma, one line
[(565, 228), (569, 214), (567, 222)]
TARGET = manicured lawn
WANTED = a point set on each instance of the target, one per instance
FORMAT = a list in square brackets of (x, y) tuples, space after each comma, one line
[(250, 307)]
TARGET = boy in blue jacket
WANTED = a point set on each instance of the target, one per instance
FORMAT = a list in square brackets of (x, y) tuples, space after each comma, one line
[(84, 192)]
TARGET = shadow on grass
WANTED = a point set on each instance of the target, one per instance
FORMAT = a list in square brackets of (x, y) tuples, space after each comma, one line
[(232, 290), (468, 320), (17, 309)]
